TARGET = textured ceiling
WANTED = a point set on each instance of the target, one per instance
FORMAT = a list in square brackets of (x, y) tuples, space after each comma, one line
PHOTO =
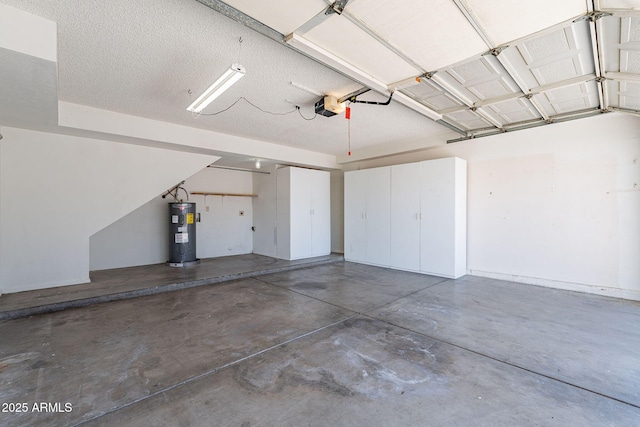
[(152, 58), (143, 57)]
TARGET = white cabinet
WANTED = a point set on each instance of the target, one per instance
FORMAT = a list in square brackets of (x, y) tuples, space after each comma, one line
[(405, 216), (355, 229), (410, 217), (443, 232), (367, 228), (303, 213)]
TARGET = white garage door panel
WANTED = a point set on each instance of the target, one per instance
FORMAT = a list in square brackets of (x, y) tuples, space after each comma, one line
[(568, 99), (431, 96), (469, 120), (563, 54), (619, 4), (560, 55), (283, 16), (515, 110), (479, 79), (413, 26), (508, 20), (630, 45), (345, 40), (624, 94), (491, 89), (620, 38), (610, 37)]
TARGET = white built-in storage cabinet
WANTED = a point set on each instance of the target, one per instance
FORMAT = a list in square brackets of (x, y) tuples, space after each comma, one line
[(303, 213), (367, 200), (410, 216)]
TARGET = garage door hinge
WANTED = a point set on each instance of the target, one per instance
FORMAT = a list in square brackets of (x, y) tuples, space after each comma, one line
[(498, 50), (337, 7), (428, 75), (597, 14)]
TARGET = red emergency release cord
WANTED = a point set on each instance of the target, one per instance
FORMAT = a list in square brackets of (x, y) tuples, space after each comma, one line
[(347, 115)]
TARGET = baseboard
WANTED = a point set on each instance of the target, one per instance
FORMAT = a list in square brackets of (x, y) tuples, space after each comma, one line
[(427, 273), (628, 294), (47, 285)]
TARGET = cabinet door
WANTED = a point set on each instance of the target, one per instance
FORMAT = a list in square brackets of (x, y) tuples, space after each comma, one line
[(378, 215), (405, 217), (320, 213), (354, 211), (437, 254), (283, 210), (460, 243), (300, 213)]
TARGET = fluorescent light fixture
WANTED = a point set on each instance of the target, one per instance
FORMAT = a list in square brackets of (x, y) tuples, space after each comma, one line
[(306, 89), (232, 75)]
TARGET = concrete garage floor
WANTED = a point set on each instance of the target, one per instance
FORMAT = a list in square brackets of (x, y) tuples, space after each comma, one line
[(335, 344), (131, 282)]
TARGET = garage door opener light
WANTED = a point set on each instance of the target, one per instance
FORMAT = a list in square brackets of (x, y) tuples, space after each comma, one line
[(232, 75)]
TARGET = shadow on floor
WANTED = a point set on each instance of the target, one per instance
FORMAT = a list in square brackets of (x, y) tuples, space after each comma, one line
[(122, 283)]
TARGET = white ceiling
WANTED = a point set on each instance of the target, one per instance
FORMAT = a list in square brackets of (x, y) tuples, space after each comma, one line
[(152, 58)]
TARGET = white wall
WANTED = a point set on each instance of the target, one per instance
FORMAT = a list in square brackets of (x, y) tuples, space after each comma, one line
[(183, 137), (141, 237), (57, 190), (223, 231), (555, 206), (26, 33)]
